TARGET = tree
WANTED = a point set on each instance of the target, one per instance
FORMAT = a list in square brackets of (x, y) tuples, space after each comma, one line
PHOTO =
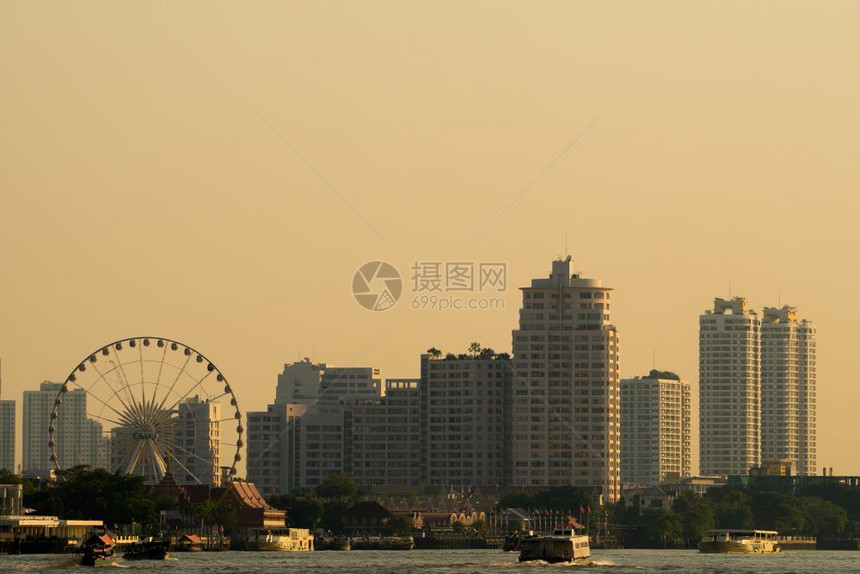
[(434, 353), (516, 499), (487, 353), (657, 528), (480, 527), (458, 527), (732, 510), (400, 525), (567, 498), (475, 349), (304, 510), (777, 511), (96, 494), (696, 514), (823, 518), (338, 485)]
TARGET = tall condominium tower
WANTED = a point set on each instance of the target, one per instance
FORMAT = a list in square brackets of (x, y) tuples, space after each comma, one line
[(788, 389), (729, 389), (463, 413), (79, 439), (197, 442), (299, 383), (7, 435), (655, 428), (386, 437), (566, 404)]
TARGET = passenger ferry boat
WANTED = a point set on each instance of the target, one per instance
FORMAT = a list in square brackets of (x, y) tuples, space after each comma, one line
[(98, 547), (280, 539), (563, 545), (740, 542)]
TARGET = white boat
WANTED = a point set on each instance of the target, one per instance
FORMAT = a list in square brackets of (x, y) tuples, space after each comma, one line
[(280, 539), (737, 541), (563, 545)]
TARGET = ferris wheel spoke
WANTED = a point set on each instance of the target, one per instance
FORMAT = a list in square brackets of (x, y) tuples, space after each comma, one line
[(158, 378), (197, 456), (134, 458), (173, 385), (185, 468), (105, 419), (189, 391), (107, 383), (122, 372), (96, 397)]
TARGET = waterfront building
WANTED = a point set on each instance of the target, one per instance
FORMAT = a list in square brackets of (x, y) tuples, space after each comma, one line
[(655, 429), (729, 388), (78, 439), (788, 381), (464, 420), (386, 435), (7, 435), (566, 404)]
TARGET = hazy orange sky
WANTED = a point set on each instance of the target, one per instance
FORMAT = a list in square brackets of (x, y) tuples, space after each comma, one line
[(144, 193)]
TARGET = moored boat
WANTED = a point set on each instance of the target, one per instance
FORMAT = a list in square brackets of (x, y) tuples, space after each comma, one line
[(97, 547), (737, 541), (383, 543), (563, 545), (280, 539), (188, 543), (147, 550)]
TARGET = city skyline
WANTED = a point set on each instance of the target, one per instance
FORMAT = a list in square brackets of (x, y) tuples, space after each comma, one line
[(213, 183)]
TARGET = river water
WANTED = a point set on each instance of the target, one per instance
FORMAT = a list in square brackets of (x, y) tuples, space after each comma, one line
[(457, 561)]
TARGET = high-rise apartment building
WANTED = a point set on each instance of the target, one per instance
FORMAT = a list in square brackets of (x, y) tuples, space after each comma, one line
[(386, 435), (655, 429), (788, 399), (312, 438), (7, 435), (464, 420), (299, 383), (729, 388), (268, 447), (197, 442), (566, 403), (79, 441)]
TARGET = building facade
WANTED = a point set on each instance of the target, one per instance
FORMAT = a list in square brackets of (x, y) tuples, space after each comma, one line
[(299, 383), (464, 427), (656, 430), (566, 403), (788, 386), (386, 435), (729, 388), (197, 442), (79, 440), (7, 435)]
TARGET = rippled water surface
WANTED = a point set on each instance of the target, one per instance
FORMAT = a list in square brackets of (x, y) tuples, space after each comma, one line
[(466, 561)]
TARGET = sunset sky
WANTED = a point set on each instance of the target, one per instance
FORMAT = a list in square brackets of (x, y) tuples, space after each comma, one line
[(215, 173)]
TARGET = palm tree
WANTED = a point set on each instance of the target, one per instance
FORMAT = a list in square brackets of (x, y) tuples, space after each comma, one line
[(434, 353), (475, 349)]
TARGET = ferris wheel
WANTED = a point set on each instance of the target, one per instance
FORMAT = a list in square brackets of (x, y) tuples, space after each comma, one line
[(148, 406)]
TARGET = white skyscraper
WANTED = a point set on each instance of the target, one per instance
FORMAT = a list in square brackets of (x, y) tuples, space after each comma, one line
[(729, 389), (79, 441), (197, 442), (566, 403), (655, 428), (788, 389)]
